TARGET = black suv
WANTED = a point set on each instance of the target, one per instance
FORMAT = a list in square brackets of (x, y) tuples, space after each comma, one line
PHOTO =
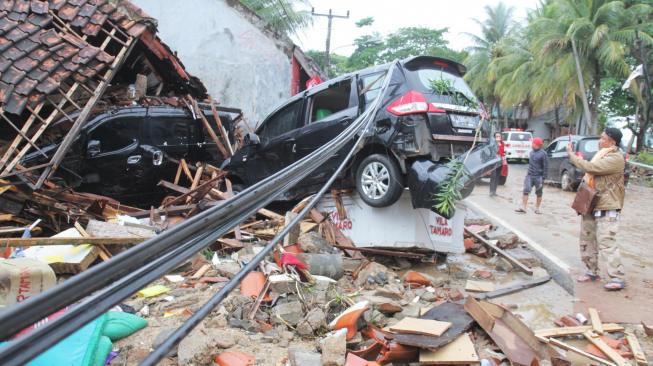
[(124, 152), (427, 115)]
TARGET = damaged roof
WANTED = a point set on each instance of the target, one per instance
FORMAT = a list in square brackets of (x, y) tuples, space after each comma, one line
[(36, 56)]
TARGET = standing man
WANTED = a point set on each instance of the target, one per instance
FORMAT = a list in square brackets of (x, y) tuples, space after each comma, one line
[(496, 173), (598, 233), (538, 166)]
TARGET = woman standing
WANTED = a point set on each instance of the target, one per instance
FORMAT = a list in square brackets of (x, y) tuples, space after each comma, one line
[(494, 178)]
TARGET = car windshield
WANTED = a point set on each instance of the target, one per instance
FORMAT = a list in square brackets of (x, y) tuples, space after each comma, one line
[(519, 137), (590, 146), (429, 76)]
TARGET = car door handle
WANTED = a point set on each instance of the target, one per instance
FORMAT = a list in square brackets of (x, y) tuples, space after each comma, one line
[(294, 148), (133, 160)]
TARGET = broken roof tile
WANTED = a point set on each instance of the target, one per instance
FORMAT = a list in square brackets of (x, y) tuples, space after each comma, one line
[(26, 64), (91, 29), (87, 72), (5, 91), (107, 8), (79, 21), (89, 52), (60, 75), (75, 41), (36, 98), (39, 20), (21, 6), (39, 7), (15, 103), (50, 38), (7, 24), (27, 45), (25, 86), (12, 75), (79, 78), (104, 57), (57, 4), (99, 18), (13, 53), (67, 51), (137, 29), (68, 12), (70, 65), (118, 15), (49, 65), (47, 86)]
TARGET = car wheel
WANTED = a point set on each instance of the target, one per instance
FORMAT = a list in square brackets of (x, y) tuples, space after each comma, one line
[(378, 181), (502, 180), (565, 182)]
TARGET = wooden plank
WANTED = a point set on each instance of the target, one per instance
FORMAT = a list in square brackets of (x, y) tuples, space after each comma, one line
[(17, 140), (513, 288), (184, 167), (103, 252), (201, 272), (519, 265), (636, 348), (28, 242), (569, 331), (597, 325), (209, 129), (218, 121), (609, 351), (448, 311), (270, 214), (178, 174), (568, 347), (482, 317), (420, 326), (459, 352), (479, 286)]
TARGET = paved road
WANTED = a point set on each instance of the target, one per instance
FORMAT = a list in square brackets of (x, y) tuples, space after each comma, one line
[(556, 230)]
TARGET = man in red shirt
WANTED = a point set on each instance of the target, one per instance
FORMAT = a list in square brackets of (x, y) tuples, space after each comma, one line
[(494, 178)]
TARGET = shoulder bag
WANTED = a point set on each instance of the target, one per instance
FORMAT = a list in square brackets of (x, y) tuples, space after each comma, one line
[(585, 199)]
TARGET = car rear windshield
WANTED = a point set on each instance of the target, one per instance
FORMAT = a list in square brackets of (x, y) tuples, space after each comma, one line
[(516, 136), (427, 75), (590, 146)]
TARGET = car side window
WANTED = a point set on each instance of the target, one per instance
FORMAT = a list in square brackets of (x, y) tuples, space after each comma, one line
[(285, 120), (562, 145), (115, 134), (167, 131), (371, 86), (552, 147), (330, 101)]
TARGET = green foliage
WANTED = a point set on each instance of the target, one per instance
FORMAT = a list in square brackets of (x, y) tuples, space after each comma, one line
[(445, 87), (365, 22), (644, 158), (281, 15), (614, 101), (449, 191), (338, 63)]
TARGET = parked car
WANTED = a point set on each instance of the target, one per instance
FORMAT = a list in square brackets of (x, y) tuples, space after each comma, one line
[(415, 123), (518, 144), (561, 171), (124, 152)]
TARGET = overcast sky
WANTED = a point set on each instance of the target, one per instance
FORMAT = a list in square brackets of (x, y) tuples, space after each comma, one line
[(388, 16)]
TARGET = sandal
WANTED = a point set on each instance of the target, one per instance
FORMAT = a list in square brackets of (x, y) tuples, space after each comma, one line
[(537, 211), (588, 277), (520, 210), (615, 284)]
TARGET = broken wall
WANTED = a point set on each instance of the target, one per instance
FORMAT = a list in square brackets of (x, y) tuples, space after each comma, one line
[(240, 62)]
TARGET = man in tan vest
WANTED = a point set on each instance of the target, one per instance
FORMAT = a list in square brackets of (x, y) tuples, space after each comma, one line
[(598, 234)]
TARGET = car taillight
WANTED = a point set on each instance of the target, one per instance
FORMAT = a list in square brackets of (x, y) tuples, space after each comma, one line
[(411, 103), (507, 145), (580, 155)]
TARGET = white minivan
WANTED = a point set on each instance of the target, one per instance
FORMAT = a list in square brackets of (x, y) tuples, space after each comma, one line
[(518, 143)]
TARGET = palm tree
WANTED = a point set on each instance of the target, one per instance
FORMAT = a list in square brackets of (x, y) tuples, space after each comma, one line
[(281, 15), (498, 25), (597, 28)]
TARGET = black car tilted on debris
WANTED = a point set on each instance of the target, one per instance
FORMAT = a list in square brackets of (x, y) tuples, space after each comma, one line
[(123, 153), (428, 115)]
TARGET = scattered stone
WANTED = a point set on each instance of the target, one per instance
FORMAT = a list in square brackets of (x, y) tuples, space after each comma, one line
[(456, 295), (228, 269), (302, 357), (161, 337), (389, 308), (390, 291), (334, 347), (136, 303), (428, 296), (312, 242), (372, 270), (312, 322), (219, 321), (246, 324), (199, 345), (411, 311), (486, 275), (290, 312)]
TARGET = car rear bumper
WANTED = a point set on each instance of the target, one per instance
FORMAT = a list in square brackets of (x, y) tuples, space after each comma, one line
[(425, 176)]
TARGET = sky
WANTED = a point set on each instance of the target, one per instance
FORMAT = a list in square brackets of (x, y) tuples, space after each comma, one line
[(389, 16)]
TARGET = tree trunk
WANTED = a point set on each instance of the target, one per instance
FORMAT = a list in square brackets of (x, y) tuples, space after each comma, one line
[(594, 107)]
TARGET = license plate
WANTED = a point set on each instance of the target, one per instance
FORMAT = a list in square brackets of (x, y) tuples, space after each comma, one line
[(521, 151), (463, 121)]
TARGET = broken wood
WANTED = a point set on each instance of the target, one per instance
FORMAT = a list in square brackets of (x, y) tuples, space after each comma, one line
[(479, 286), (520, 266), (201, 272), (459, 352), (29, 242), (570, 331), (391, 253), (513, 288), (609, 351), (103, 252), (576, 350), (341, 239), (636, 348), (595, 320), (209, 129), (448, 311), (221, 129), (420, 326)]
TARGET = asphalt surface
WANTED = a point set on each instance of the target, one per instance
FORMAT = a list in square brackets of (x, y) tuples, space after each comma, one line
[(556, 230)]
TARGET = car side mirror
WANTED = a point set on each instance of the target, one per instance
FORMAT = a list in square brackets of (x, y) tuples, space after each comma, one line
[(251, 139), (93, 148)]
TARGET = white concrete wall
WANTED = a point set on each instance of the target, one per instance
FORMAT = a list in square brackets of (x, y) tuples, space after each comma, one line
[(240, 65)]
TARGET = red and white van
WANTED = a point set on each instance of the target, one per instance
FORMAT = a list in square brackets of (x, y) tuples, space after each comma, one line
[(518, 143)]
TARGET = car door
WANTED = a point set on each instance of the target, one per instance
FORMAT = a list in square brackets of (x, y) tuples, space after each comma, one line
[(276, 148), (329, 111), (551, 173), (111, 156), (557, 158), (166, 140)]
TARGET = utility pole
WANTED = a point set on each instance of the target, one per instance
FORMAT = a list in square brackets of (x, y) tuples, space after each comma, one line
[(327, 58), (581, 82), (647, 93)]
